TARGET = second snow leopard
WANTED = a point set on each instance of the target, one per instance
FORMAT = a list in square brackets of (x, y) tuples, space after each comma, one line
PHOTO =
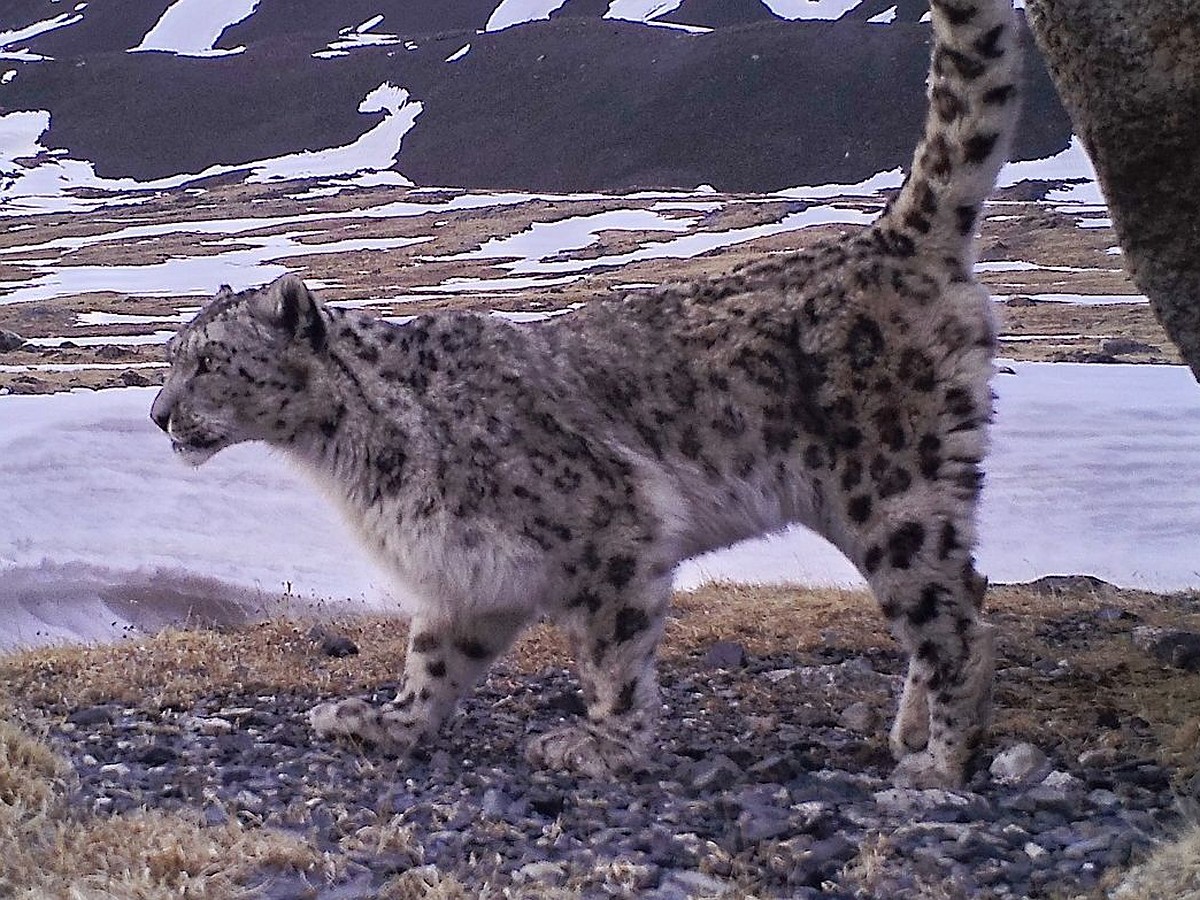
[(505, 472)]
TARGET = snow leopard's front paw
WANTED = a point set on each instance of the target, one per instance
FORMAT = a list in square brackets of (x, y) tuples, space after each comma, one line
[(586, 750), (383, 728), (924, 771)]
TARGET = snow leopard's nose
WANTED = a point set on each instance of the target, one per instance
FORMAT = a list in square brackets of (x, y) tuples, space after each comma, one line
[(160, 412)]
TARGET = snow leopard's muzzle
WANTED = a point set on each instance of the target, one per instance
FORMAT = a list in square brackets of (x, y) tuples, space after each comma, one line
[(188, 438)]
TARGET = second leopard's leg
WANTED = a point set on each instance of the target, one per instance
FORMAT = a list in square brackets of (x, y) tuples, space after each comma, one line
[(446, 657)]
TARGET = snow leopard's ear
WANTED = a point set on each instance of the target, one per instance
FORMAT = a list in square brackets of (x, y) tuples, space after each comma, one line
[(289, 306)]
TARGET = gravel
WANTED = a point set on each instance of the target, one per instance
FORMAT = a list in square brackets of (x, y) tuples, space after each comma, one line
[(784, 796)]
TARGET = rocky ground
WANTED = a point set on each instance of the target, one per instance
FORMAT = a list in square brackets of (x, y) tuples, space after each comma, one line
[(771, 781)]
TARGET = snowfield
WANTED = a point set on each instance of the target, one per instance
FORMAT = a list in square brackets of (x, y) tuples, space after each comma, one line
[(1095, 469)]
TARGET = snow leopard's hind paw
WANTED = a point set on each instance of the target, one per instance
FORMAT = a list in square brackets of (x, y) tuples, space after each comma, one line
[(588, 749)]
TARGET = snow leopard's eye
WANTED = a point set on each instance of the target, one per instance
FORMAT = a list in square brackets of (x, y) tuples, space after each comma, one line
[(204, 363)]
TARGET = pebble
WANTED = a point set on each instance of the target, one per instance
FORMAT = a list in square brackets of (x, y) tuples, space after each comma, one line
[(545, 872)]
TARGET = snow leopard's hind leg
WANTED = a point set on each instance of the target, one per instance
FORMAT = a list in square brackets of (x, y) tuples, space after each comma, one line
[(911, 729), (946, 705), (614, 626), (446, 657)]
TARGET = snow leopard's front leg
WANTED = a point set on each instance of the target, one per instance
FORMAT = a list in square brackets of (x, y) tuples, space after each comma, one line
[(446, 657), (615, 625)]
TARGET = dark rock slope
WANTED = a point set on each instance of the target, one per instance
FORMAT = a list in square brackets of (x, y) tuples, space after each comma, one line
[(575, 102)]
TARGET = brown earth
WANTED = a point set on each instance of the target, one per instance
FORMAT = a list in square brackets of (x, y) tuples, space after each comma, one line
[(1075, 260)]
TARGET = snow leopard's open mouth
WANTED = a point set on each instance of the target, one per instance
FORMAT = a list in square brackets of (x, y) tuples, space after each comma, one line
[(196, 451)]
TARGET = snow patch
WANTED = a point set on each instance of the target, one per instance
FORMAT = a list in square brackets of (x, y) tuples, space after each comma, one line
[(361, 35), (515, 12), (682, 247), (241, 267), (93, 319), (870, 187), (8, 39), (810, 9), (1080, 299), (375, 150), (1069, 164), (193, 27), (544, 239)]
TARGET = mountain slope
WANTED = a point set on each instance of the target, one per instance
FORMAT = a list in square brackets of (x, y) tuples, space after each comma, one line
[(573, 102)]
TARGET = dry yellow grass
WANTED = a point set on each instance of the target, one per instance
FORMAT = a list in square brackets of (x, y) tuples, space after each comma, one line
[(49, 850), (1173, 873)]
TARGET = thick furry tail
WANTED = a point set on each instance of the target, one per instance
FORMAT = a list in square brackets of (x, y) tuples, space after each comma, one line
[(973, 105)]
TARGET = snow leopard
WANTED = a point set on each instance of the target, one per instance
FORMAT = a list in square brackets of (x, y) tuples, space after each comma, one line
[(507, 473)]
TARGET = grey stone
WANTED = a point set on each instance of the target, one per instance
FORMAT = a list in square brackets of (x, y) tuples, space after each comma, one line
[(157, 755), (1058, 791), (544, 871), (859, 717), (215, 815), (134, 378), (697, 884), (331, 643), (1020, 764), (762, 823), (1104, 799), (494, 804), (92, 715), (907, 801), (1085, 847), (10, 340), (725, 655), (1123, 345), (828, 854), (712, 774), (1128, 72), (1035, 851), (1173, 647), (1077, 585), (775, 767)]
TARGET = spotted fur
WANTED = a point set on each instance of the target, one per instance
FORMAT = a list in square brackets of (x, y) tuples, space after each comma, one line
[(508, 472)]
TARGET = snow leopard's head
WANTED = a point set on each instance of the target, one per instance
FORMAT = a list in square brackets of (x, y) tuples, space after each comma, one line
[(241, 368)]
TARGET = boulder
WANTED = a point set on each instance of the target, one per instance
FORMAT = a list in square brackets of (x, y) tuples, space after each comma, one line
[(10, 340), (1128, 73)]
